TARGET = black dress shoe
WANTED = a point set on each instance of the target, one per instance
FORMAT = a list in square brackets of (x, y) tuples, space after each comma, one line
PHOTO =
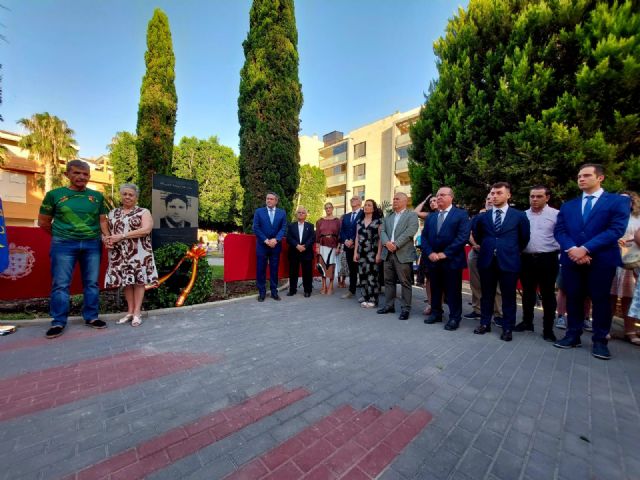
[(261, 298), (472, 315), (386, 309), (431, 319), (482, 329), (549, 336), (290, 294), (497, 321), (276, 297), (506, 336), (451, 325), (307, 294), (404, 315), (523, 327)]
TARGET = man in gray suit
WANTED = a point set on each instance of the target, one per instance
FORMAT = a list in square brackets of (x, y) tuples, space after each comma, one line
[(398, 254)]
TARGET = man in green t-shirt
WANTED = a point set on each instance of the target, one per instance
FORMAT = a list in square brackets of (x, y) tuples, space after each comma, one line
[(75, 217)]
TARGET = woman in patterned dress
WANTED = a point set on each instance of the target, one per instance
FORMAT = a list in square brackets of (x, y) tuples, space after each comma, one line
[(368, 253), (624, 284), (131, 262)]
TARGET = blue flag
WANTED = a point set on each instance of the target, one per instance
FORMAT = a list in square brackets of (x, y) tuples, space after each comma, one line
[(4, 242)]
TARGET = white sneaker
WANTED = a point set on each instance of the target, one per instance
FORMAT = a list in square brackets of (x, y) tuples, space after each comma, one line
[(587, 325), (561, 322), (367, 305)]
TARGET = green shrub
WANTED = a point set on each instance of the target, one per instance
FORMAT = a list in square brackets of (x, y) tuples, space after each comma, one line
[(166, 294)]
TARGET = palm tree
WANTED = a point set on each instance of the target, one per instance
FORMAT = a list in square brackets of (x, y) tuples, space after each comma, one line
[(49, 140)]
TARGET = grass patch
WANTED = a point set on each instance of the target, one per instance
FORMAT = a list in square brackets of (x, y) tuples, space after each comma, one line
[(218, 272), (6, 316)]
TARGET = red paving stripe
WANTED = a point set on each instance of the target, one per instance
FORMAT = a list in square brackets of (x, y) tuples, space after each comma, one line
[(42, 341), (171, 446), (44, 389), (344, 445)]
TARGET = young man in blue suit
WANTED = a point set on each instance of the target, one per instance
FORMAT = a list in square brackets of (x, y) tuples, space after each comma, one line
[(502, 233), (447, 234), (300, 239), (269, 226), (588, 229)]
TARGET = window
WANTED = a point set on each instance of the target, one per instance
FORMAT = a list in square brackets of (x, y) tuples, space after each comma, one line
[(339, 149), (360, 150), (359, 192), (403, 153), (359, 172), (13, 187), (337, 170)]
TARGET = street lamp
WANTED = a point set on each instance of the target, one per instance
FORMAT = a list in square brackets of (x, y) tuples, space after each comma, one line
[(345, 200)]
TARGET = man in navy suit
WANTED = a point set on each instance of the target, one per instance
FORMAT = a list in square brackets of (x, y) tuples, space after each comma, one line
[(588, 229), (447, 234), (347, 239), (269, 226), (300, 238), (502, 233)]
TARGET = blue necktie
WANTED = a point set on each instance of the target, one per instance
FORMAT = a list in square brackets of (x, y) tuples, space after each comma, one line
[(271, 215), (497, 224), (587, 208), (440, 222)]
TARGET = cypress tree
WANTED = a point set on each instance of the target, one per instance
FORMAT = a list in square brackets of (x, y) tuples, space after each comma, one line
[(269, 107), (158, 105)]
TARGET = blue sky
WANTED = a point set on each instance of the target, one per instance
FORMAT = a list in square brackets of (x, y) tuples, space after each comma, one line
[(83, 60)]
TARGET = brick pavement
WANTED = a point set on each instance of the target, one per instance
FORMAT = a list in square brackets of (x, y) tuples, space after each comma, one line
[(519, 410)]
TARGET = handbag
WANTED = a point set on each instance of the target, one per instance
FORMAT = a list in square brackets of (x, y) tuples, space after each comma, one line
[(630, 256)]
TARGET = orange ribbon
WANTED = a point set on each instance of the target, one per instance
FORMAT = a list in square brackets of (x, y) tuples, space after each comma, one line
[(194, 254)]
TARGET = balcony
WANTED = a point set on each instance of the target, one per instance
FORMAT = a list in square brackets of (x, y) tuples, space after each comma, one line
[(406, 189), (338, 159), (337, 200), (402, 140), (335, 180), (402, 165)]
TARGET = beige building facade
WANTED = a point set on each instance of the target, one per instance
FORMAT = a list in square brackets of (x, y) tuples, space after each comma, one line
[(20, 190), (370, 161)]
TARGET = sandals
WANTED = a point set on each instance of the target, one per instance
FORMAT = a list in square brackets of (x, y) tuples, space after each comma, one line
[(137, 321), (126, 319), (632, 338)]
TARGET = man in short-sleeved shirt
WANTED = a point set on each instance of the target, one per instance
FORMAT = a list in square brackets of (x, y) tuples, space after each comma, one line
[(75, 217)]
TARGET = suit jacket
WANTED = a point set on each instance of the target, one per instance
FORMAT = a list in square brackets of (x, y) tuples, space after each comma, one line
[(264, 230), (606, 223), (308, 239), (507, 244), (405, 230), (453, 236), (348, 228)]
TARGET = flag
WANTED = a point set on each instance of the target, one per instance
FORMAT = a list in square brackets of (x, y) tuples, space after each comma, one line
[(4, 242)]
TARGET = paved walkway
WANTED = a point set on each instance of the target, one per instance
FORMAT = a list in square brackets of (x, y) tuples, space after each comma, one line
[(312, 388)]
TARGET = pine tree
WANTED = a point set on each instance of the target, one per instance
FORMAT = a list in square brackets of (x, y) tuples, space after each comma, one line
[(527, 91), (158, 105), (269, 107)]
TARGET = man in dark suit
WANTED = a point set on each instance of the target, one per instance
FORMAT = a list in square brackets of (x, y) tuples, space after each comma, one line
[(300, 238), (347, 240), (447, 234), (269, 226), (588, 229), (502, 233)]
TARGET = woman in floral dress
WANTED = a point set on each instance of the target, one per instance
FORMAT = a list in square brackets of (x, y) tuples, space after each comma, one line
[(368, 253), (131, 262)]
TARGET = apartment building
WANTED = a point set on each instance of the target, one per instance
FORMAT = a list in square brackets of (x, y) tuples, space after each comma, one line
[(370, 161), (20, 188)]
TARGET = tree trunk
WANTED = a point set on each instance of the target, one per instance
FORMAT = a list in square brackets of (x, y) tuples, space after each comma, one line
[(48, 176)]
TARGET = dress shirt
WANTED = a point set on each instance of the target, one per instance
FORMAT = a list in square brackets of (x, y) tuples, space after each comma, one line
[(542, 225), (446, 212), (300, 230), (596, 195), (396, 219), (272, 214), (503, 209), (354, 214)]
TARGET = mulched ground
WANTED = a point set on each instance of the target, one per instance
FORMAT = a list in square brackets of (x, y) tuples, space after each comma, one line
[(111, 302)]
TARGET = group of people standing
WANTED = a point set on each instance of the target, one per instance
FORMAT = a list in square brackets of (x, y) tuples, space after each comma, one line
[(507, 245), (79, 222)]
